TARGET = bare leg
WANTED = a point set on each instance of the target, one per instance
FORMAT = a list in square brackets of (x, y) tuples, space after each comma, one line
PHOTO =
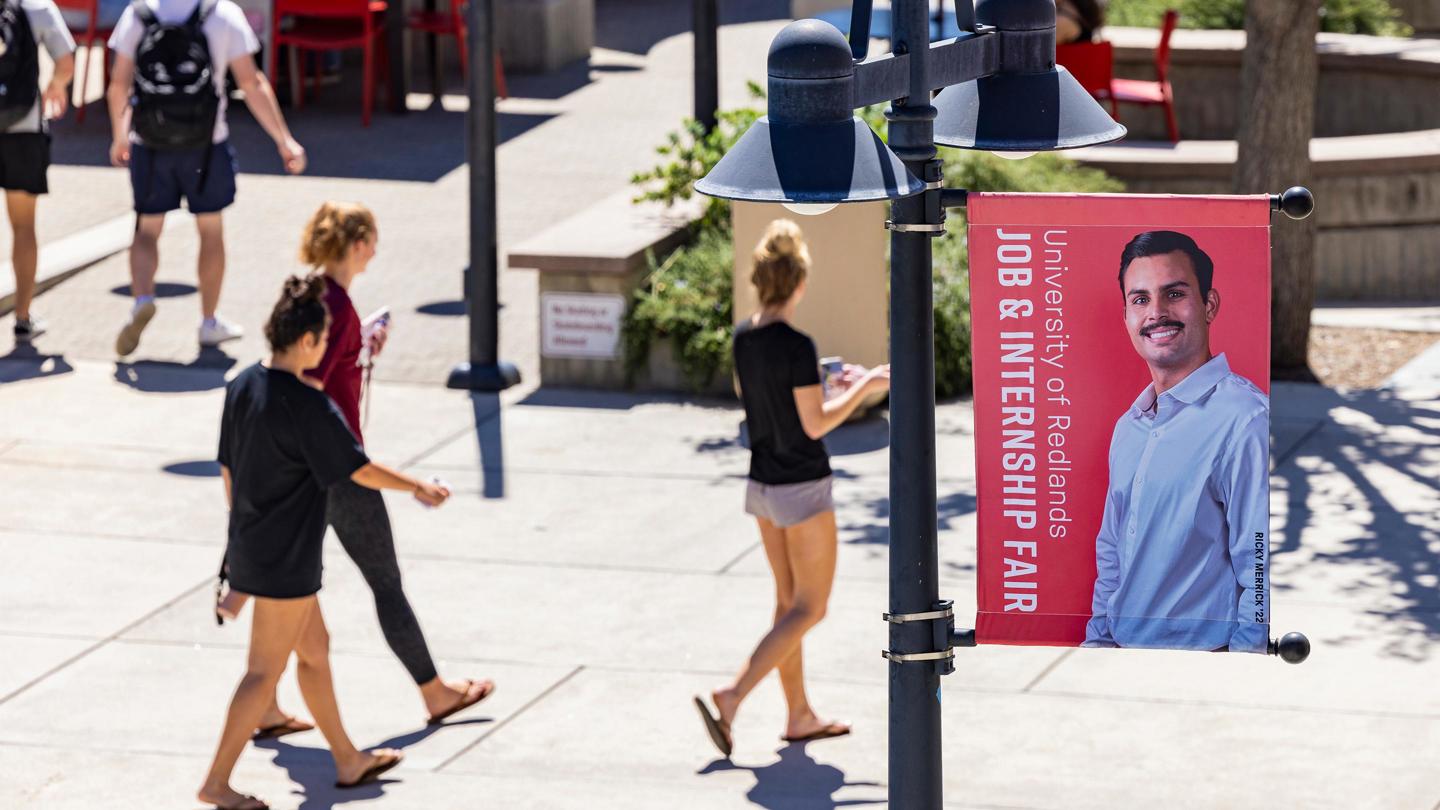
[(23, 252), (211, 269), (273, 635), (318, 687), (145, 254), (810, 549)]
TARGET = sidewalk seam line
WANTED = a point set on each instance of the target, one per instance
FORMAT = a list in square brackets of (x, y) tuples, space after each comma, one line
[(725, 569), (488, 734), (1049, 668), (443, 443), (102, 642), (1300, 442)]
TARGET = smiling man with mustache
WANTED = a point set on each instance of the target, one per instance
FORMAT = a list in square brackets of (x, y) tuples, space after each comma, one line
[(1181, 553)]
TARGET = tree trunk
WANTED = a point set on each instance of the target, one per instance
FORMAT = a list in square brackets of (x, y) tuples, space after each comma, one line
[(1277, 120)]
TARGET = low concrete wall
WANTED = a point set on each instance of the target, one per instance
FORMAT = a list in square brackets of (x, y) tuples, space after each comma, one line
[(1377, 200), (538, 36), (1368, 85)]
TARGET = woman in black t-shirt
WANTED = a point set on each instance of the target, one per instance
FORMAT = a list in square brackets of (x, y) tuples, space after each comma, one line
[(789, 488), (282, 444)]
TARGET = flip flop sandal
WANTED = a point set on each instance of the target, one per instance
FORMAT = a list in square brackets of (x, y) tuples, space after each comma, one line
[(292, 725), (487, 688), (718, 729), (832, 730), (373, 772), (263, 805)]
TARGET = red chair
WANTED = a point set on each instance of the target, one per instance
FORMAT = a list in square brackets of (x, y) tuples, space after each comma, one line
[(334, 25), (86, 37), (451, 23), (1093, 65), (1134, 91)]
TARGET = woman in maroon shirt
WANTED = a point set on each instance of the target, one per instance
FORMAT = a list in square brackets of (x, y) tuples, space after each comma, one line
[(340, 241)]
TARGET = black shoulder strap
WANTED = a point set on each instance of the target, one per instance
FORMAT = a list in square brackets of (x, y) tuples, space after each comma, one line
[(143, 12)]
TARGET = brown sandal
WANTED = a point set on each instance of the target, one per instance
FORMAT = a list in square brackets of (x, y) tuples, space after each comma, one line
[(718, 729), (472, 696), (383, 763), (292, 725)]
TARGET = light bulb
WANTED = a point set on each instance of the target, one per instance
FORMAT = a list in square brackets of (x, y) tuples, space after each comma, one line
[(1013, 155), (809, 209)]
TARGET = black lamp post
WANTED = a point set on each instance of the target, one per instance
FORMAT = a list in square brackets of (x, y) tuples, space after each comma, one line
[(485, 371), (1011, 97)]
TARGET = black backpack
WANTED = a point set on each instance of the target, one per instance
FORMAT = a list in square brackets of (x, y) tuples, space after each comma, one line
[(175, 102), (19, 65)]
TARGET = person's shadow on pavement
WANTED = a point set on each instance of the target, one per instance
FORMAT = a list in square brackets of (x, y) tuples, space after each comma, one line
[(795, 780), (25, 362), (205, 373), (314, 770)]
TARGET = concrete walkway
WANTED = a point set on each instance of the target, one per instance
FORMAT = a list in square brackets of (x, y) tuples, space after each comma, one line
[(597, 564)]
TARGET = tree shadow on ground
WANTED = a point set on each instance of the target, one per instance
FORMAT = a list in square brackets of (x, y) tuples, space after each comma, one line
[(420, 146), (25, 362), (1356, 502), (875, 528), (795, 780), (635, 26), (314, 770), (205, 373)]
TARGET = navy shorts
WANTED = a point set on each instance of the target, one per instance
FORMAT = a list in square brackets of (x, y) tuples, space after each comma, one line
[(24, 161), (160, 178)]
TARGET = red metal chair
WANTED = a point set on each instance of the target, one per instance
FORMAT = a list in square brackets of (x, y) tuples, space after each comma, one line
[(334, 25), (1157, 93), (1093, 65), (451, 23), (86, 37)]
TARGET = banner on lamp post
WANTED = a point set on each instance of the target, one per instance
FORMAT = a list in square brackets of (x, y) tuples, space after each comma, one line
[(1122, 380)]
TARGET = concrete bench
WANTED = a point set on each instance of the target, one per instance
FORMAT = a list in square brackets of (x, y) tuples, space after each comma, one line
[(590, 266)]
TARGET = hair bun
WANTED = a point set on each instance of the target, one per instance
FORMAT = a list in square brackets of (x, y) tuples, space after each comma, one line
[(302, 289)]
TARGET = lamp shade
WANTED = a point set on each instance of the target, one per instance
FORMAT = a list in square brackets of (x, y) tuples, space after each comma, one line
[(825, 162), (1022, 112)]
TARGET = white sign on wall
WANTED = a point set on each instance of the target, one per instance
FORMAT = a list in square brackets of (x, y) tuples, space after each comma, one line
[(580, 325)]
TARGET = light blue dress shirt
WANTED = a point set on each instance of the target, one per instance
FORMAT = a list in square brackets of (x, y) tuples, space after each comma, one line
[(1182, 554)]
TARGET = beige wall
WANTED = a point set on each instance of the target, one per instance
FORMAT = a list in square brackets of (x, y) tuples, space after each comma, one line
[(804, 9), (846, 305)]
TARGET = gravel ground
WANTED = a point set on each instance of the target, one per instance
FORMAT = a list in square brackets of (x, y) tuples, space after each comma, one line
[(1362, 358)]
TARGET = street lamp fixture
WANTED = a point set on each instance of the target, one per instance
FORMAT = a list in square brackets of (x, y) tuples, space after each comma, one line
[(1005, 94)]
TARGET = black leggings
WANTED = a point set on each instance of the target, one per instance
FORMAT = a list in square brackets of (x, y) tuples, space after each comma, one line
[(358, 515)]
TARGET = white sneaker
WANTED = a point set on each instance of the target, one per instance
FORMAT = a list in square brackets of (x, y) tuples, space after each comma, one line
[(129, 337), (217, 330)]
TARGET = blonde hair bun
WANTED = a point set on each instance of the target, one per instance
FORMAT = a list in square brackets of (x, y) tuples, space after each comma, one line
[(782, 261)]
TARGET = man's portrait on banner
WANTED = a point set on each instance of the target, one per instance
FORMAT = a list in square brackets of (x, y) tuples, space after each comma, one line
[(1180, 553)]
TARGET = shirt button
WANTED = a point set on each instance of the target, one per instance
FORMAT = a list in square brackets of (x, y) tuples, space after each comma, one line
[(1156, 434), (1132, 529)]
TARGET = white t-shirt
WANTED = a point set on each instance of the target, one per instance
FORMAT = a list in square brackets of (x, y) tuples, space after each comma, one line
[(51, 32), (226, 29)]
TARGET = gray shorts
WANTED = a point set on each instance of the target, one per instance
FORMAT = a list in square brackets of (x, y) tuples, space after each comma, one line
[(789, 504)]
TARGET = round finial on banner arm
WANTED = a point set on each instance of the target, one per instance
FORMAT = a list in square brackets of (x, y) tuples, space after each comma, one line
[(1293, 648), (1297, 202)]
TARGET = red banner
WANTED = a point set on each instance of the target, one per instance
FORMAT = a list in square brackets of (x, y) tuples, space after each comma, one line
[(1121, 419)]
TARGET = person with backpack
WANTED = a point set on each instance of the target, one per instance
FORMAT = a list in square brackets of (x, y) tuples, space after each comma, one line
[(167, 115), (24, 132)]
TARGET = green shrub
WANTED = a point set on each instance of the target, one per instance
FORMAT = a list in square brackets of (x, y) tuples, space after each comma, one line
[(687, 299), (1375, 17)]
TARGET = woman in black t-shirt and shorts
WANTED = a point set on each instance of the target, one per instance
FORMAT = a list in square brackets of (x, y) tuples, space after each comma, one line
[(789, 488), (283, 443)]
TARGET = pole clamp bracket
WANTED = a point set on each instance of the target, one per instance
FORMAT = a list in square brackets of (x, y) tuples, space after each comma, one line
[(915, 227), (942, 628), (902, 618), (901, 658)]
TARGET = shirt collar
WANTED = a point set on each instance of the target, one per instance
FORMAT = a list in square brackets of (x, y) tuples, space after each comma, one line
[(1196, 385)]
